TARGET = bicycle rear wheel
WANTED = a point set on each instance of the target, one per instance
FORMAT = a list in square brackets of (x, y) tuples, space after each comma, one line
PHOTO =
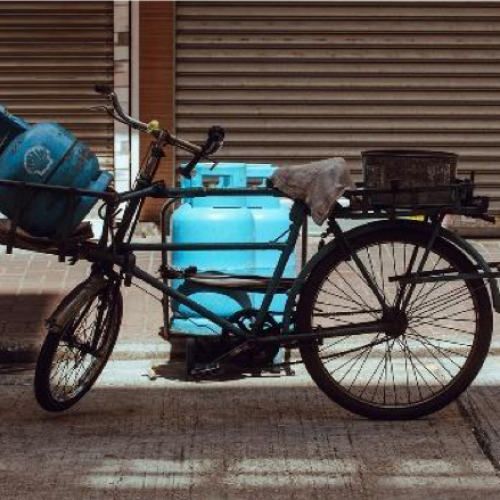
[(73, 356), (439, 346)]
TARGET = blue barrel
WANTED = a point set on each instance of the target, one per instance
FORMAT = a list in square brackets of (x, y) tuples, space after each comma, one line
[(212, 219), (48, 154), (272, 220)]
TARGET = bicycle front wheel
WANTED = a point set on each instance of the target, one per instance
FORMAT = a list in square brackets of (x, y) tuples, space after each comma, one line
[(72, 358), (426, 362)]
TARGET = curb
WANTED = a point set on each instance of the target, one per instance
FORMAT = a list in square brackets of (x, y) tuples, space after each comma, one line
[(130, 351), (17, 353)]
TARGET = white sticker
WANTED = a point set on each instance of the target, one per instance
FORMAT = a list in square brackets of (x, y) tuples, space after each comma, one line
[(37, 160)]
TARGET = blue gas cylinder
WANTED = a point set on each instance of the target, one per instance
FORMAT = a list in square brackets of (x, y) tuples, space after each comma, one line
[(10, 127), (272, 220), (212, 219), (48, 154)]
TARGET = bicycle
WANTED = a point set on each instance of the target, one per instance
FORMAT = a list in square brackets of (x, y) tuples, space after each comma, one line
[(393, 319)]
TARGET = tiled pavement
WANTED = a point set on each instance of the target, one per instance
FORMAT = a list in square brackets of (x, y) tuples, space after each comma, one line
[(31, 285)]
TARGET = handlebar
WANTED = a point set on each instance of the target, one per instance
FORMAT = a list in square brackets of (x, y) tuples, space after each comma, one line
[(108, 91), (214, 142)]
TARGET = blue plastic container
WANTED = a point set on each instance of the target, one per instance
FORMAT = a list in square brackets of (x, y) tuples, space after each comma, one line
[(48, 154), (212, 219), (272, 220)]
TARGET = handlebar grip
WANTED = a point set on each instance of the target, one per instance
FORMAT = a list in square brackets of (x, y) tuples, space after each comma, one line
[(216, 134), (215, 139), (213, 143), (103, 88)]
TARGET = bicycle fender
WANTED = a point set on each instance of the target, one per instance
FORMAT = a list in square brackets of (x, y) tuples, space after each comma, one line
[(334, 246), (478, 259), (81, 294)]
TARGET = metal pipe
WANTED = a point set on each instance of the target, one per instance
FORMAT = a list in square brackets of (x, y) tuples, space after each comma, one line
[(193, 247), (195, 306), (341, 331), (305, 238), (164, 227), (59, 189)]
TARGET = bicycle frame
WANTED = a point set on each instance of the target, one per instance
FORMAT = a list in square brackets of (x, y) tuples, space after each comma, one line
[(121, 251)]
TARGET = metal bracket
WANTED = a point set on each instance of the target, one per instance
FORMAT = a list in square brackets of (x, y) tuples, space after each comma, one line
[(128, 267)]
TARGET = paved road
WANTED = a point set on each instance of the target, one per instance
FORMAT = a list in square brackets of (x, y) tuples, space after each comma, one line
[(269, 438), (256, 438)]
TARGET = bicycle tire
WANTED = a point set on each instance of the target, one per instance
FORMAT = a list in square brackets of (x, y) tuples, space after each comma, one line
[(109, 303), (352, 397)]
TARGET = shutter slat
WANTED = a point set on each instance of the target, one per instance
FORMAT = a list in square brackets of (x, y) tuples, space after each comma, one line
[(51, 55), (293, 82)]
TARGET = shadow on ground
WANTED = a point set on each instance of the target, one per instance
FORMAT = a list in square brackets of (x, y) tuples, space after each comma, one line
[(22, 324), (131, 438)]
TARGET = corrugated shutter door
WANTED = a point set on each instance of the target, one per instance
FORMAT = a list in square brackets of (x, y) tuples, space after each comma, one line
[(51, 55), (293, 82)]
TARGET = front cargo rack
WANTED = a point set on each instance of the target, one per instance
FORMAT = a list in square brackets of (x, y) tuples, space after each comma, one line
[(68, 238)]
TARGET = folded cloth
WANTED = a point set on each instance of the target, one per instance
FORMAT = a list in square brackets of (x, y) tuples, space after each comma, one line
[(319, 184)]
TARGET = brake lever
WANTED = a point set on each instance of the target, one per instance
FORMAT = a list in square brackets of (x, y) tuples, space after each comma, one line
[(188, 169), (213, 144)]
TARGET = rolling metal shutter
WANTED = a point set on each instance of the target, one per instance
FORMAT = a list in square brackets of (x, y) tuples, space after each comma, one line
[(51, 55), (293, 82)]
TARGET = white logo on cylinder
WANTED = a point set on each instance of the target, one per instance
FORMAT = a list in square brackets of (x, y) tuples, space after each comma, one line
[(37, 160)]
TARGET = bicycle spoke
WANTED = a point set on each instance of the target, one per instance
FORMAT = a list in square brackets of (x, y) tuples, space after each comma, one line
[(413, 366), (348, 299), (374, 276), (442, 318), (406, 372), (459, 330), (354, 291), (426, 346), (453, 342), (442, 350), (78, 354), (368, 351), (443, 303), (424, 284)]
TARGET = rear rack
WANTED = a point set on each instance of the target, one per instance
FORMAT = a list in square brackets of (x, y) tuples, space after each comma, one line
[(366, 203)]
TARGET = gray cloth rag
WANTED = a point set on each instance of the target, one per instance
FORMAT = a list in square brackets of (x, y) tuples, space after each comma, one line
[(319, 184)]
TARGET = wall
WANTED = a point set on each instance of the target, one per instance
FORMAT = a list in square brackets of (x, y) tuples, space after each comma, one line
[(156, 82), (122, 89)]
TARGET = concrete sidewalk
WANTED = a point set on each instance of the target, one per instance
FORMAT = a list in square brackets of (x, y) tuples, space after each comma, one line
[(256, 438)]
